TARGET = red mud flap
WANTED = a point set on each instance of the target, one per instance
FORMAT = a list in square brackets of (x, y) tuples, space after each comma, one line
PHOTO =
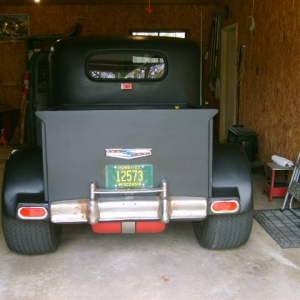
[(128, 227)]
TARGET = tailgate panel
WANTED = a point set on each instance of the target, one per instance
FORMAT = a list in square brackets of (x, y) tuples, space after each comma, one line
[(75, 143)]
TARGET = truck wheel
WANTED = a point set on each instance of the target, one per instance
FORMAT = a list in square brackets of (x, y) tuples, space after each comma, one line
[(30, 237), (224, 231)]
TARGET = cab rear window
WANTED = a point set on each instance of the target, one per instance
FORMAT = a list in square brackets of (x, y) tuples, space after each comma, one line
[(126, 65)]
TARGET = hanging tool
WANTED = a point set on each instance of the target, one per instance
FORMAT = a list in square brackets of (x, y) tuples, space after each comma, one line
[(215, 55), (217, 60), (18, 137)]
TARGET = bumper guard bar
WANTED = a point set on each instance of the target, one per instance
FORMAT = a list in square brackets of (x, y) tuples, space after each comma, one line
[(93, 212)]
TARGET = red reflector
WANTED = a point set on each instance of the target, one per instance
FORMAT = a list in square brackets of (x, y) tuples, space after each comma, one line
[(126, 86), (221, 206), (32, 213), (109, 227), (142, 227)]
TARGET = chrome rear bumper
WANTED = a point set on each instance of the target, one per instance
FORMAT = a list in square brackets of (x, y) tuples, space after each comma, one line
[(129, 205)]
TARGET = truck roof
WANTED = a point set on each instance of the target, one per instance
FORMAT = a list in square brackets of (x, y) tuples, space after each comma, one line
[(124, 70)]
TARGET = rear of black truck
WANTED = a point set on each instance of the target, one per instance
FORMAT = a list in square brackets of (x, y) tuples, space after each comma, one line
[(127, 148)]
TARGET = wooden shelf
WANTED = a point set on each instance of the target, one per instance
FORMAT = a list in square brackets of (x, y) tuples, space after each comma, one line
[(12, 39)]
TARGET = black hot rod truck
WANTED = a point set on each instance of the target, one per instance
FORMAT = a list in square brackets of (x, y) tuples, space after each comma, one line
[(126, 147)]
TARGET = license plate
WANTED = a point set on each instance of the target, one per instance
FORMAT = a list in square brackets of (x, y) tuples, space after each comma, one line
[(129, 176)]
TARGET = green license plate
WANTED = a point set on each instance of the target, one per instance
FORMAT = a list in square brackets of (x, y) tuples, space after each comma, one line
[(129, 176)]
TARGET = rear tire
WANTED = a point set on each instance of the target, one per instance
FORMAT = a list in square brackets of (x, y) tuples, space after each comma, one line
[(30, 237), (224, 231)]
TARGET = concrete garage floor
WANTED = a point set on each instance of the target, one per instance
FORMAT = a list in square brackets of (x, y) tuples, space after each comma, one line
[(169, 265)]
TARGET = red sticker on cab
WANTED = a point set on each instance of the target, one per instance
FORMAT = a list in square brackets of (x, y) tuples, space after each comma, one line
[(126, 86)]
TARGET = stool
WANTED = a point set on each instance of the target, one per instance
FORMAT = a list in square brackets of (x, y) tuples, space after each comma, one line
[(272, 187)]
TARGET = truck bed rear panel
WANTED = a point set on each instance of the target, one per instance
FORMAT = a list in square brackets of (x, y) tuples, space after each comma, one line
[(75, 143)]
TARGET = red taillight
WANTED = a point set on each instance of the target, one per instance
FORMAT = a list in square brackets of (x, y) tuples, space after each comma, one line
[(225, 206), (32, 213), (109, 227)]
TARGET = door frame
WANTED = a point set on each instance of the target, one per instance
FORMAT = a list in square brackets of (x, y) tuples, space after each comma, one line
[(228, 95)]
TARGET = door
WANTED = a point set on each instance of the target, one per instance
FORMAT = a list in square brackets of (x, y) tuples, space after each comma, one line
[(228, 101)]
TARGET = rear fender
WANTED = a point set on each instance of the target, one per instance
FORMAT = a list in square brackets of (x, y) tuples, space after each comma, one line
[(232, 176), (22, 179)]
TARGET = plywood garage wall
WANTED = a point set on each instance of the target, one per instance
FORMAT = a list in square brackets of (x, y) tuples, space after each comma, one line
[(271, 78), (96, 20), (12, 65), (112, 19)]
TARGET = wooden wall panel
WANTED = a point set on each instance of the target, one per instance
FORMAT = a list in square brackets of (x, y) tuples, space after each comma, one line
[(96, 20), (115, 19), (12, 64), (271, 78)]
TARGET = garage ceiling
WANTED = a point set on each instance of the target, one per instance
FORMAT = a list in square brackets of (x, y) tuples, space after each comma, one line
[(108, 2)]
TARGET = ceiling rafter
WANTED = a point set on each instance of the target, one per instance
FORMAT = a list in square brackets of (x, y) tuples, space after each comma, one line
[(108, 2)]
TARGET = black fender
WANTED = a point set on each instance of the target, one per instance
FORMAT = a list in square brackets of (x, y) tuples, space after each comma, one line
[(22, 179), (231, 174)]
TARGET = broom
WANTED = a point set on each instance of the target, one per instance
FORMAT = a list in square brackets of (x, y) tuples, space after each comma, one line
[(18, 137)]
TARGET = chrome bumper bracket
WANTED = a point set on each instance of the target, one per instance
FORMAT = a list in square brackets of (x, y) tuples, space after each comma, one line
[(93, 213)]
